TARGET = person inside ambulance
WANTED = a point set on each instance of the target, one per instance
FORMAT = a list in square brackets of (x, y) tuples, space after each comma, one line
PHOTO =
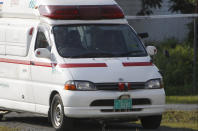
[(68, 40), (110, 41), (73, 40)]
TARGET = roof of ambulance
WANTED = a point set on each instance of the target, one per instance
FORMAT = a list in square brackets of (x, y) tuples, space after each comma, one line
[(29, 6), (24, 8), (76, 2)]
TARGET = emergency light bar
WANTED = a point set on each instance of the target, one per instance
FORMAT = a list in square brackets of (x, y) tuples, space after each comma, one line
[(83, 12)]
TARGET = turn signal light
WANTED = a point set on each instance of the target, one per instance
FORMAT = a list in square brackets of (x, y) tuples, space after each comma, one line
[(83, 12), (70, 87)]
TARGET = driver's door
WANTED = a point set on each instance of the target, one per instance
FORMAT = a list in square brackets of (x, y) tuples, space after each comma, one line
[(41, 70)]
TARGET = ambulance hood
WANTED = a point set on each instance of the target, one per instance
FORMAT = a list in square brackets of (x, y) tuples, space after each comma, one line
[(113, 70)]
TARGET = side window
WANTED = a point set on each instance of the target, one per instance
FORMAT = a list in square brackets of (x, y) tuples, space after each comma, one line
[(41, 41)]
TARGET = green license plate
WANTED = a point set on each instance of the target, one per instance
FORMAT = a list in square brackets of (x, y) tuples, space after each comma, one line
[(123, 104)]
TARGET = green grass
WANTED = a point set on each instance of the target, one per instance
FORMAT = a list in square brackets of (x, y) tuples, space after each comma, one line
[(8, 129), (182, 99), (181, 119)]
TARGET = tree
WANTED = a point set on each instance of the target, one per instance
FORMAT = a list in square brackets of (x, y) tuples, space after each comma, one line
[(184, 6), (147, 5)]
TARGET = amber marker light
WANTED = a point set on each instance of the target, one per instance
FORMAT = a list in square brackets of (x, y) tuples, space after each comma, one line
[(70, 87)]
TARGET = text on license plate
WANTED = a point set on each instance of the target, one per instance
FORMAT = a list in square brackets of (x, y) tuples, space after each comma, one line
[(123, 104)]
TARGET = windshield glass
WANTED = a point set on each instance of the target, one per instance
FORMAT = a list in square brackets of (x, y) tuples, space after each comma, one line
[(97, 41)]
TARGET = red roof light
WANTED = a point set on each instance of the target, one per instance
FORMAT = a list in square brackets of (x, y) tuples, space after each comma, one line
[(111, 12), (90, 12)]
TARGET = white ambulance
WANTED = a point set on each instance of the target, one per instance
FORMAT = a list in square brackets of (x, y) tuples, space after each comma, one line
[(69, 59)]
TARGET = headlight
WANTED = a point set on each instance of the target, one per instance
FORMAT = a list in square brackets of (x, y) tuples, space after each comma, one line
[(80, 85), (154, 84)]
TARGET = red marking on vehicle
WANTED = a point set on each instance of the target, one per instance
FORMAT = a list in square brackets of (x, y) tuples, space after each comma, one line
[(137, 64), (42, 64), (54, 64), (129, 86), (23, 62), (38, 53), (81, 65), (121, 86), (85, 12), (31, 31)]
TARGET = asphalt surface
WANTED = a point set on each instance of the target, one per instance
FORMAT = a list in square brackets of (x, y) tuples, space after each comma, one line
[(30, 122), (35, 123)]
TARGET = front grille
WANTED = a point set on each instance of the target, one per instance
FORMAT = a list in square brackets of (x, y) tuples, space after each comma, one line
[(112, 110), (114, 86), (110, 102)]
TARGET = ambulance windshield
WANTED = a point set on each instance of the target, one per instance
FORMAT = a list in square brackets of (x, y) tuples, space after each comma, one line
[(97, 41)]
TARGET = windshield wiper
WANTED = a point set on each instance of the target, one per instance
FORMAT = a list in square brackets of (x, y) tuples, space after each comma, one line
[(94, 54)]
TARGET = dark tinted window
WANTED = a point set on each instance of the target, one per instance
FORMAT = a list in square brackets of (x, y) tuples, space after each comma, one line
[(41, 41), (95, 41)]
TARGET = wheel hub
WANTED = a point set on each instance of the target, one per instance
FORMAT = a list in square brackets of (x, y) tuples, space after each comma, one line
[(58, 114)]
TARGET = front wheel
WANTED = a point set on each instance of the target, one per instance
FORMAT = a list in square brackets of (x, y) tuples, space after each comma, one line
[(151, 122), (58, 119)]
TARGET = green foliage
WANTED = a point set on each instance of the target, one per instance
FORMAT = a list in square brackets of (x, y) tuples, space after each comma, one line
[(184, 6), (147, 4), (182, 99), (178, 68)]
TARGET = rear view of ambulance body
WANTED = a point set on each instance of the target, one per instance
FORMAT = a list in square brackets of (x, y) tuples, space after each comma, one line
[(76, 59)]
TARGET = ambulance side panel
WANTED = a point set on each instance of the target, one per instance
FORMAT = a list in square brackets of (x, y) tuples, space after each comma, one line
[(2, 40), (16, 92)]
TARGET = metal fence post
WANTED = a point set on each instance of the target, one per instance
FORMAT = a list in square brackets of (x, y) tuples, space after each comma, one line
[(195, 51), (195, 56)]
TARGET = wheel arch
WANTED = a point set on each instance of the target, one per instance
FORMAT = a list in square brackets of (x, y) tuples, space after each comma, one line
[(53, 93)]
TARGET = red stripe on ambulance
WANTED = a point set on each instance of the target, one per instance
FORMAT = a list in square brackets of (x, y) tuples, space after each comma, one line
[(137, 64)]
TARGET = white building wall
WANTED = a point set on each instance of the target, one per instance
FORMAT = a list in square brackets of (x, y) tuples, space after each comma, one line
[(158, 29), (162, 29), (130, 7)]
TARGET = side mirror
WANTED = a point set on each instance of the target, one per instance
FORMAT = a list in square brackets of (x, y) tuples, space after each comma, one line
[(143, 35), (42, 53), (151, 50)]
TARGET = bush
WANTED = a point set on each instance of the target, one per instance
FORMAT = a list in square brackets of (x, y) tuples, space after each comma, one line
[(177, 69)]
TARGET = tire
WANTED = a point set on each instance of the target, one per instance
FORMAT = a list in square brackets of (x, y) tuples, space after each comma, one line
[(151, 122), (58, 119), (49, 117)]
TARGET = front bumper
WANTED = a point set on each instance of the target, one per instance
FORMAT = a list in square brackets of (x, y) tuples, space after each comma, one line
[(77, 104)]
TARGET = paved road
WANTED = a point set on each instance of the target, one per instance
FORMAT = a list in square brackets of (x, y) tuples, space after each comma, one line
[(35, 123), (29, 122)]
